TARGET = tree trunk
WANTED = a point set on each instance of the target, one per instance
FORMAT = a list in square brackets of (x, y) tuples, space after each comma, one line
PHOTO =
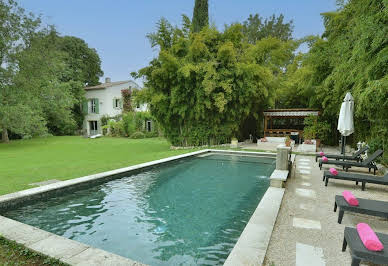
[(5, 135)]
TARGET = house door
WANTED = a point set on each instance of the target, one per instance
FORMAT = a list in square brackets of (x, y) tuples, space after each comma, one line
[(93, 127), (149, 128)]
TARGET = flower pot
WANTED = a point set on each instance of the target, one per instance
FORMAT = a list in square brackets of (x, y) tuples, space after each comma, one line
[(318, 143), (288, 143), (234, 143)]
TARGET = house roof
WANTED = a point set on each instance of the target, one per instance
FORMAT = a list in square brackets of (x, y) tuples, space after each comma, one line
[(300, 112), (111, 84)]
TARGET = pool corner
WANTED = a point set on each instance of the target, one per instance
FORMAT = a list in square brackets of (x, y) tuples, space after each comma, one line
[(252, 245)]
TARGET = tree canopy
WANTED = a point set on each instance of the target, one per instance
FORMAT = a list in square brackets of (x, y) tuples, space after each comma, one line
[(203, 85), (256, 28), (42, 75), (200, 15), (351, 56)]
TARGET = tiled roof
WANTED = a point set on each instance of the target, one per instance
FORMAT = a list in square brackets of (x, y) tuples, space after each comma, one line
[(111, 84)]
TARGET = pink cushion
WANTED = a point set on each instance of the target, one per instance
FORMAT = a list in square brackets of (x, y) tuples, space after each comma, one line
[(369, 238), (321, 153), (333, 171), (350, 198), (324, 159)]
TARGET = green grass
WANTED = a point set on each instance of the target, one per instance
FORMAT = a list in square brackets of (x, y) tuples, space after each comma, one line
[(24, 162), (14, 254)]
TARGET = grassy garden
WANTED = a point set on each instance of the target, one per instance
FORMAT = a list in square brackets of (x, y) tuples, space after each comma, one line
[(29, 161)]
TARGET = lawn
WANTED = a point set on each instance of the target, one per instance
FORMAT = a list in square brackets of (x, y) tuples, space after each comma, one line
[(24, 162)]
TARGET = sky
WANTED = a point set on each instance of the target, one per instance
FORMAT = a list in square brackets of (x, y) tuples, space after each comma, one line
[(117, 28)]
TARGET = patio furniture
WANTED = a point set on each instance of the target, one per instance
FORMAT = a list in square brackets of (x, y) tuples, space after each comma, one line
[(365, 206), (367, 163), (355, 157), (359, 252), (363, 178)]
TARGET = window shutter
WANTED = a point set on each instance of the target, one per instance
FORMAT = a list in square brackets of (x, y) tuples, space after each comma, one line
[(114, 103), (85, 106), (121, 103), (97, 106)]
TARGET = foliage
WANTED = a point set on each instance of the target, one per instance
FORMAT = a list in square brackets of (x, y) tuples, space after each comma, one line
[(42, 76), (351, 56), (200, 15), (129, 123), (378, 143), (137, 135), (83, 63), (203, 86), (255, 28), (15, 29), (316, 129), (127, 105), (83, 68)]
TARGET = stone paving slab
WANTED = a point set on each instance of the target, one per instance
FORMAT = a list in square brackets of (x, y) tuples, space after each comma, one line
[(282, 247), (47, 182), (21, 233), (307, 255), (93, 256), (58, 247)]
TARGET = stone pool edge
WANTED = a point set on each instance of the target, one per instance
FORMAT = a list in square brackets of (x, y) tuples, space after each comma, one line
[(253, 242), (77, 253)]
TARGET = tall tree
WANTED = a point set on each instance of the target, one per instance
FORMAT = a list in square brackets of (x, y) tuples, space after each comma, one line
[(17, 112), (84, 63), (256, 28), (351, 56), (200, 15), (83, 68), (202, 87)]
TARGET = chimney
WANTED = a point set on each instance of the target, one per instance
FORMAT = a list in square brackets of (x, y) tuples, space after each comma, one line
[(107, 80)]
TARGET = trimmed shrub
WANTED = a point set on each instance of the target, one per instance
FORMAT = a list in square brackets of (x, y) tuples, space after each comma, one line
[(137, 135)]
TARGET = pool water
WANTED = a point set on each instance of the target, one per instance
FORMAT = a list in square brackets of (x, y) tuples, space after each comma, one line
[(191, 211)]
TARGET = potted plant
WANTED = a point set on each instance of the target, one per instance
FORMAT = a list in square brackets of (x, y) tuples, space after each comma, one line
[(287, 141)]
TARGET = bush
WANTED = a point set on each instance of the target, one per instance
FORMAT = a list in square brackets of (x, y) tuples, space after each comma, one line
[(116, 128), (137, 135), (152, 134), (129, 123), (316, 129), (377, 143)]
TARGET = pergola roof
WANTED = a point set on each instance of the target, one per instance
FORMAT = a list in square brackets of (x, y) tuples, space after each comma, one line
[(301, 112)]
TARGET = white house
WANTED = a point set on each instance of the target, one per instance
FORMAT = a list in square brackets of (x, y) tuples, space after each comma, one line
[(105, 100)]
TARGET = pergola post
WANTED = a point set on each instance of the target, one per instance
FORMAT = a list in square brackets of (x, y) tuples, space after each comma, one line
[(265, 125)]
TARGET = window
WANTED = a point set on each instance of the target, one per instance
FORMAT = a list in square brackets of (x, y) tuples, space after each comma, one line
[(117, 103), (93, 106)]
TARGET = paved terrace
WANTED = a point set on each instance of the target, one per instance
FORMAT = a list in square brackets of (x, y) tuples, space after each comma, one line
[(306, 232)]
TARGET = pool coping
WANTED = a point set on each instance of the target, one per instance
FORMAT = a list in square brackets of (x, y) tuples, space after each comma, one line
[(76, 253)]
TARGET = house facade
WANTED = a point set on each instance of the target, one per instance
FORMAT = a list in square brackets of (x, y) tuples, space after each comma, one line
[(105, 100)]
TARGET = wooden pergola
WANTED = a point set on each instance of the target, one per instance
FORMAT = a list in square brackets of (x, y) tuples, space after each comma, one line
[(272, 114)]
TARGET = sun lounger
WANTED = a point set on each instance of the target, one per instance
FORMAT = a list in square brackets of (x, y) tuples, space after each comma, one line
[(363, 178), (355, 157), (367, 163), (360, 253), (365, 206)]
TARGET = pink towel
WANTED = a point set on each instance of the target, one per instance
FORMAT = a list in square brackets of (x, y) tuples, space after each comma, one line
[(369, 238), (333, 171), (350, 198), (324, 159), (321, 153)]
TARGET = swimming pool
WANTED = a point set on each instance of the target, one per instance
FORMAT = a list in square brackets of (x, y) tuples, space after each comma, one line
[(189, 211)]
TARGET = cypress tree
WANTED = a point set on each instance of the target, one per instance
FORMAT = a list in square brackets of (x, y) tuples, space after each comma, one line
[(200, 15)]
